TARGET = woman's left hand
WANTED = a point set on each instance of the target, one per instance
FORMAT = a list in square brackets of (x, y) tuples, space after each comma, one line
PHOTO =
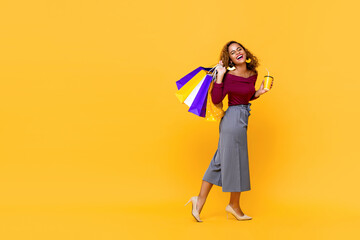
[(262, 90)]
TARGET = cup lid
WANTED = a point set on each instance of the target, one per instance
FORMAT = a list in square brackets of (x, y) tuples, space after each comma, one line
[(269, 76)]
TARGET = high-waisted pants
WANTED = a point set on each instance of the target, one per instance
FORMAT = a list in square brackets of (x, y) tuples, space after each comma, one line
[(229, 167)]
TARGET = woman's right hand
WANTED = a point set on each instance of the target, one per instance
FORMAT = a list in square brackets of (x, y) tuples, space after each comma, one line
[(220, 68)]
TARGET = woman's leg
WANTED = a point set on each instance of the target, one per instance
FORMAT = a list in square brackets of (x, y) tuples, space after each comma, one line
[(204, 192), (235, 202)]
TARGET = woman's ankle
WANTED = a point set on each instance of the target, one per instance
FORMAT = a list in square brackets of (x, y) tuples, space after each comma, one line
[(234, 205)]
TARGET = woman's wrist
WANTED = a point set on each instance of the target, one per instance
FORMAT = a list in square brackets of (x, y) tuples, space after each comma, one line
[(219, 78)]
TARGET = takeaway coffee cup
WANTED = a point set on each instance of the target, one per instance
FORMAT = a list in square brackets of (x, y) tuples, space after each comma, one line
[(268, 81)]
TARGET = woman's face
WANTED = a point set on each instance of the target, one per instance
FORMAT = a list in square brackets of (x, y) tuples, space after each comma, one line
[(237, 53)]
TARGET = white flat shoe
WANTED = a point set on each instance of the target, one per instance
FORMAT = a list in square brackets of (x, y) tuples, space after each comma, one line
[(229, 209), (194, 211)]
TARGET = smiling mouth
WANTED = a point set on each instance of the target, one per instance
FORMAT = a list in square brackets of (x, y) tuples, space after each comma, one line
[(239, 57)]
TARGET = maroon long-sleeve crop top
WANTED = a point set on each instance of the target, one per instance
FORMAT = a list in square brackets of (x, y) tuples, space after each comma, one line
[(240, 90)]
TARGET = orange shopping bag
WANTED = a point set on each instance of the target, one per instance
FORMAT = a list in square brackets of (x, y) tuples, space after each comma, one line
[(214, 112)]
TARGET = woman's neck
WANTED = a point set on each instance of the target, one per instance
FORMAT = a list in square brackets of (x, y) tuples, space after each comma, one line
[(241, 70)]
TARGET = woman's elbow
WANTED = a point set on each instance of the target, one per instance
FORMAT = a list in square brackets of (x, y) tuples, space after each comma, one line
[(216, 101)]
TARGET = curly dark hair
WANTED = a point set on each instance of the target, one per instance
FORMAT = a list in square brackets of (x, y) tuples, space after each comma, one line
[(225, 57)]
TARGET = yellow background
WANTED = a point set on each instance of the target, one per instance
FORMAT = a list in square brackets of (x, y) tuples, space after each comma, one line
[(95, 145)]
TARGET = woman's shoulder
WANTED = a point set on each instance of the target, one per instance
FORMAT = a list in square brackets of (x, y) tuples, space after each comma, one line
[(254, 72)]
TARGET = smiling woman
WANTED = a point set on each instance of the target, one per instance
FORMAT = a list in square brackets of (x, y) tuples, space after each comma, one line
[(229, 167), (232, 51)]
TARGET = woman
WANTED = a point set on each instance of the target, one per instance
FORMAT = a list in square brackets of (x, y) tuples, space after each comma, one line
[(229, 166)]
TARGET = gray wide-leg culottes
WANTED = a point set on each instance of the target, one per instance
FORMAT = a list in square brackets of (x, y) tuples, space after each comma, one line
[(229, 167)]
